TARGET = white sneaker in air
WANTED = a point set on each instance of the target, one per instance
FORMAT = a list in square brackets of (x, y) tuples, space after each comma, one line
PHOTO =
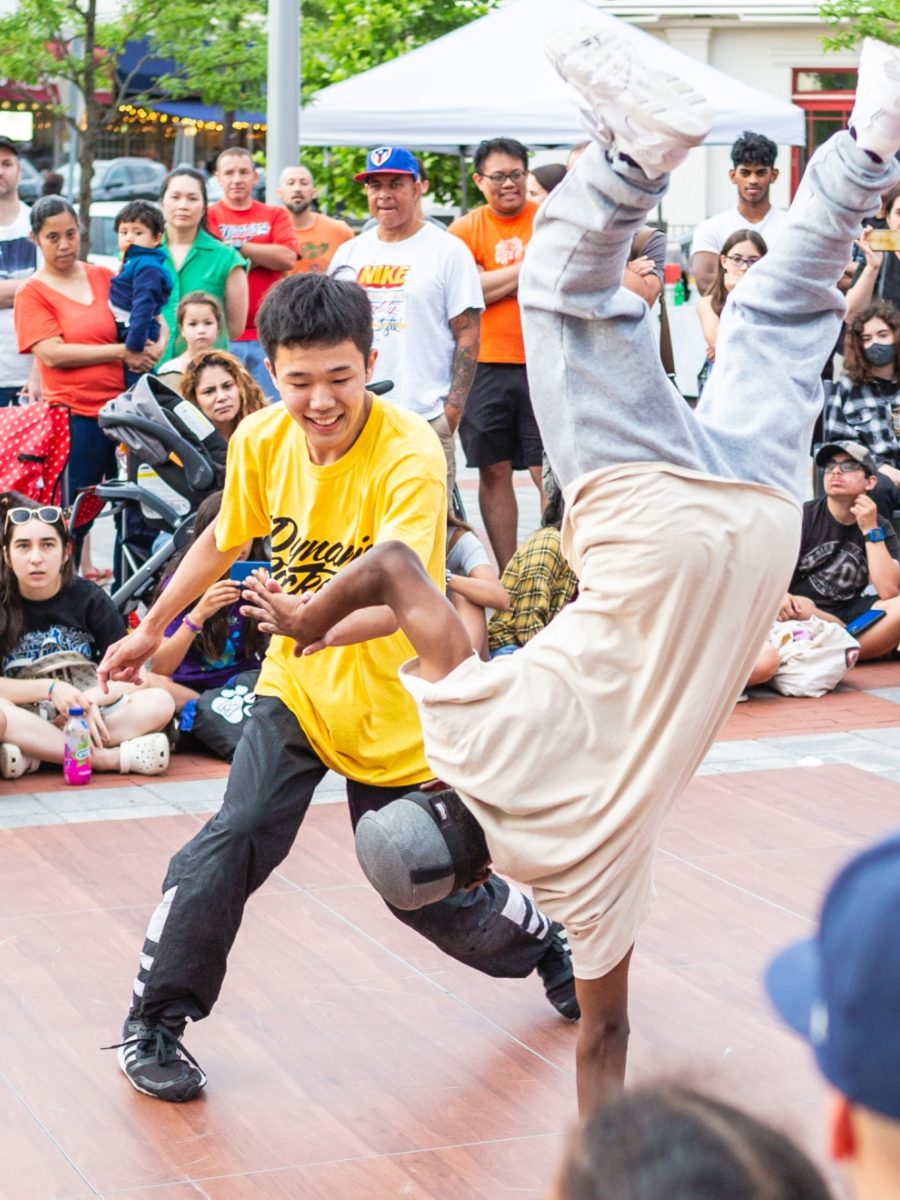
[(875, 119), (651, 116)]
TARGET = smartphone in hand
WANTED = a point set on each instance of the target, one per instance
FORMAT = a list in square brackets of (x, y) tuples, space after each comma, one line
[(240, 570)]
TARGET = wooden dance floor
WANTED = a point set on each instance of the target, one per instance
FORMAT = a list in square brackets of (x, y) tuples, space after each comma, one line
[(348, 1059)]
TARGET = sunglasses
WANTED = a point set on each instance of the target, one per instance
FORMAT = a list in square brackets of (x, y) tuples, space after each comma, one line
[(50, 514)]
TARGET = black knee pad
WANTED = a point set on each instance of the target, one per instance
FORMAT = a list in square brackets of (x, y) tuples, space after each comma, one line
[(421, 848)]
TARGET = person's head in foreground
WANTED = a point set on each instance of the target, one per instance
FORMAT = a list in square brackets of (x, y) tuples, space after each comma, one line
[(841, 991), (672, 1143), (222, 388), (421, 848), (316, 331)]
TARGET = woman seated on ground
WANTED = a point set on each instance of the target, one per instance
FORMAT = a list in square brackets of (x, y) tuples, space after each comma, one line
[(740, 252), (672, 1143), (209, 642), (44, 610), (201, 323), (861, 408), (222, 388), (473, 582)]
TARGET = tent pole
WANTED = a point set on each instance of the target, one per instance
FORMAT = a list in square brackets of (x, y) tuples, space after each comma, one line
[(463, 181)]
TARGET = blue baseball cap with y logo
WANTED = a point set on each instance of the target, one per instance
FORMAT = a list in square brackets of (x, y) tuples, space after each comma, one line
[(841, 989), (389, 160)]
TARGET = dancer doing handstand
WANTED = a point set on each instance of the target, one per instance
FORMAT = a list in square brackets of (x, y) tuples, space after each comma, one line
[(682, 527)]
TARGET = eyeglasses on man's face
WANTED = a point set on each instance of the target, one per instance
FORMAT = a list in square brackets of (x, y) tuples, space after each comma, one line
[(498, 178), (846, 467), (738, 260)]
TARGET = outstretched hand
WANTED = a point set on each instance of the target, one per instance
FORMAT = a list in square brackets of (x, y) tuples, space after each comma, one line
[(267, 603), (124, 659)]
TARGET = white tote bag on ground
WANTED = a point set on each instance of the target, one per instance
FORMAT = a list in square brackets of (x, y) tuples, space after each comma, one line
[(814, 655)]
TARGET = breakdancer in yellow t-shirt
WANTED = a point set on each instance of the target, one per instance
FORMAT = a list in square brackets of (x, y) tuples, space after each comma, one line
[(327, 474)]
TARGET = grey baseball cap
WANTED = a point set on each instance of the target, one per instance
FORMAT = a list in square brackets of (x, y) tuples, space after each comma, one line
[(421, 848), (856, 450)]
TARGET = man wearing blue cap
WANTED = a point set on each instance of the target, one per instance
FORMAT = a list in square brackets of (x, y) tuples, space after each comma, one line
[(841, 991), (425, 295)]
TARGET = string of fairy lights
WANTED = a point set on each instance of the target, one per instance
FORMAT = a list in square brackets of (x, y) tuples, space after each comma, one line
[(133, 118)]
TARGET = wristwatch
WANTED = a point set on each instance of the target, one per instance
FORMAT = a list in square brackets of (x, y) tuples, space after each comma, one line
[(876, 535)]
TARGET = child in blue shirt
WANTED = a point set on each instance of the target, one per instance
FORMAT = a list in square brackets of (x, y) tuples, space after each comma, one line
[(138, 294)]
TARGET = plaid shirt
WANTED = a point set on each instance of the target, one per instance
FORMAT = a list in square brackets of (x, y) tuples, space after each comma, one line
[(861, 412), (540, 583)]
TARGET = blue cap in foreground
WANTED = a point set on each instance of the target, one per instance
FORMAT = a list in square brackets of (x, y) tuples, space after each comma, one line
[(841, 989)]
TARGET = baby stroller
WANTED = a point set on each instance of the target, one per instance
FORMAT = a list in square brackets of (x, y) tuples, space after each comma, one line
[(175, 459)]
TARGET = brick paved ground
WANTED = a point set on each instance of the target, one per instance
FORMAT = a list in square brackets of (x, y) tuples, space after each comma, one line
[(347, 1057)]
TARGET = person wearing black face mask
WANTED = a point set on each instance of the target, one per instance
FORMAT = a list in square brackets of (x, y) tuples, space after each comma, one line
[(865, 405)]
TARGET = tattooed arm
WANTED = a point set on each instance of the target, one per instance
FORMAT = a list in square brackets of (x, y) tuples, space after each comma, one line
[(466, 329)]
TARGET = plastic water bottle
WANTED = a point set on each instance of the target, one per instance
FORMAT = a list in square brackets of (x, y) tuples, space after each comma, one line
[(77, 753)]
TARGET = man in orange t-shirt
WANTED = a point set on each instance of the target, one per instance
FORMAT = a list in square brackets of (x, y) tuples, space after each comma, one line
[(498, 430), (317, 236)]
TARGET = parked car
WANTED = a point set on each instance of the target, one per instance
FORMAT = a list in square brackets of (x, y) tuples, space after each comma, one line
[(116, 179)]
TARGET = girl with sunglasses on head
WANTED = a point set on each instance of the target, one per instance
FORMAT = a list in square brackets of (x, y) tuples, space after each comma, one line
[(740, 252), (46, 609)]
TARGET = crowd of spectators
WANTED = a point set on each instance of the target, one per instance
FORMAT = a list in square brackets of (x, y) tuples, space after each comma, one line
[(447, 334)]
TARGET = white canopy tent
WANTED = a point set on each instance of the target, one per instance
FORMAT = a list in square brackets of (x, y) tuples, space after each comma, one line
[(491, 77)]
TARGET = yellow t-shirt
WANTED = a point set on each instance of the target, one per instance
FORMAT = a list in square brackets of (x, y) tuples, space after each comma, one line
[(389, 486)]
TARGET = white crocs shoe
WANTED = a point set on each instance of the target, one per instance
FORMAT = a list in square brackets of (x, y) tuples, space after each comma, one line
[(13, 763), (651, 116), (875, 119), (148, 755)]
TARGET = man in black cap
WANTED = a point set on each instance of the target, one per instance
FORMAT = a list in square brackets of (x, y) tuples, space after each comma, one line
[(844, 549), (841, 991)]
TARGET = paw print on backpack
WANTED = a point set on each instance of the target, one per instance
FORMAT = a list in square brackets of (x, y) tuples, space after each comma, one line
[(233, 704)]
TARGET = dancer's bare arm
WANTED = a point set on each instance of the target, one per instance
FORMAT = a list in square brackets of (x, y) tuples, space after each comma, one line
[(390, 574)]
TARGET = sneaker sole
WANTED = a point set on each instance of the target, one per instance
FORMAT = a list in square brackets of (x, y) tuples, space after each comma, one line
[(194, 1090), (630, 98)]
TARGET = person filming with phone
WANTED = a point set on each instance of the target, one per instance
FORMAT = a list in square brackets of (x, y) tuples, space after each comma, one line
[(845, 548), (878, 274)]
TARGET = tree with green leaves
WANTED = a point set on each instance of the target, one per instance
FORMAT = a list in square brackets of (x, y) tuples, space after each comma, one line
[(44, 42), (221, 52), (853, 20), (342, 38), (220, 48)]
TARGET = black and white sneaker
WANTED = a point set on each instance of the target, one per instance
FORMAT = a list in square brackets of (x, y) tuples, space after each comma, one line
[(156, 1063), (555, 969)]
